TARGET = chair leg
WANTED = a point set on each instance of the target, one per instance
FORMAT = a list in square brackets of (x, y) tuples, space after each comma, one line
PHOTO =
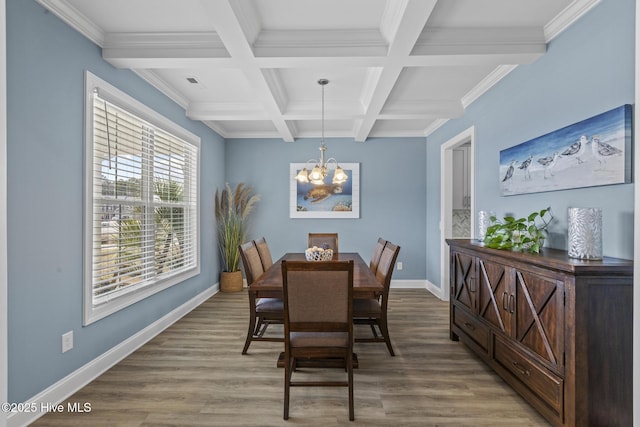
[(250, 329), (287, 385), (382, 323), (350, 381)]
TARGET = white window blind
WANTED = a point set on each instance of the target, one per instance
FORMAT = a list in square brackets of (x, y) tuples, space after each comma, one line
[(144, 206)]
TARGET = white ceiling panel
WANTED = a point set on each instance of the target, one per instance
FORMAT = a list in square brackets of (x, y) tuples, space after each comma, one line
[(396, 68)]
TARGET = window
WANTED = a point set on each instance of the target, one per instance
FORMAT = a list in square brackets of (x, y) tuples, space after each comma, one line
[(141, 190)]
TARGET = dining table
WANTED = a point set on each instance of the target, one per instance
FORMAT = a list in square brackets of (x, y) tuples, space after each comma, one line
[(365, 284)]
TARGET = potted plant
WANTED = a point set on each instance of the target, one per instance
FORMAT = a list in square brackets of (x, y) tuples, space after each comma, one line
[(232, 209), (519, 234)]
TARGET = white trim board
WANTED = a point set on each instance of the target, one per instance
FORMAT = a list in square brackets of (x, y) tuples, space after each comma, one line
[(73, 382)]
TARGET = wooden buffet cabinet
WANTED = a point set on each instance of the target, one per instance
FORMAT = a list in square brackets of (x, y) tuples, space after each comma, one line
[(558, 330)]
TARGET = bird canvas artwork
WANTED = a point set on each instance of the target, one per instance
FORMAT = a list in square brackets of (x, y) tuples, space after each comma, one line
[(595, 151)]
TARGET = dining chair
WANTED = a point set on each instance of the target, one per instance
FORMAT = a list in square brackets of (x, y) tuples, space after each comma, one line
[(262, 311), (318, 300), (265, 253), (373, 311), (377, 253), (324, 240)]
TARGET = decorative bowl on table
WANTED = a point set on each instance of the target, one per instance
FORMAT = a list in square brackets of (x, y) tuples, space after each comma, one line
[(318, 254)]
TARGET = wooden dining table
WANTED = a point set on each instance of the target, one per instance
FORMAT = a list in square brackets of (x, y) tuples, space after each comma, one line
[(365, 285)]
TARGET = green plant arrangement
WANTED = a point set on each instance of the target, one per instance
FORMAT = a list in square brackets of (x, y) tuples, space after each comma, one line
[(519, 234), (232, 209)]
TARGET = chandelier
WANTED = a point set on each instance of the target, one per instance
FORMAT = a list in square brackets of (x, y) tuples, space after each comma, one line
[(319, 171)]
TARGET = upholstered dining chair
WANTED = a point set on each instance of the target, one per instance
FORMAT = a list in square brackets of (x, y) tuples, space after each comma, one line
[(377, 253), (373, 311), (264, 252), (318, 299), (324, 240), (263, 311)]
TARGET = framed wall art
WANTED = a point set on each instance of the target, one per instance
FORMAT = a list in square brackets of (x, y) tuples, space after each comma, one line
[(593, 152), (327, 200)]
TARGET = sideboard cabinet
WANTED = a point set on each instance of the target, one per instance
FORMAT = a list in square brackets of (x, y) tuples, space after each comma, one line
[(557, 329)]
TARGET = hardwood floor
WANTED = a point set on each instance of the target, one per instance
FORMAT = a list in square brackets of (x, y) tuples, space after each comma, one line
[(194, 375)]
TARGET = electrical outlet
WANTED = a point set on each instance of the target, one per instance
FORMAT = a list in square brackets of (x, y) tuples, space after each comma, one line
[(67, 341), (399, 265)]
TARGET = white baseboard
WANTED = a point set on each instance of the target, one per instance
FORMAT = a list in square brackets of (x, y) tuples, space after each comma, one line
[(408, 284), (73, 382), (418, 284), (435, 290)]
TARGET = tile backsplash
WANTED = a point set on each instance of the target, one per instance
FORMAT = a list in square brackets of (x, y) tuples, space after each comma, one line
[(461, 223)]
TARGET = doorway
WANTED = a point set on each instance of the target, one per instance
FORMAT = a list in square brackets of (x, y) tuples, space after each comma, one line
[(457, 160)]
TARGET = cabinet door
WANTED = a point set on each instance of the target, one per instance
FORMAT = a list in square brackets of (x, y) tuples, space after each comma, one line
[(463, 286), (496, 299), (539, 316), (459, 177)]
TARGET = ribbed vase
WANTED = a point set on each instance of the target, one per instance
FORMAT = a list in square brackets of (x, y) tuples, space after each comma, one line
[(585, 233), (484, 221)]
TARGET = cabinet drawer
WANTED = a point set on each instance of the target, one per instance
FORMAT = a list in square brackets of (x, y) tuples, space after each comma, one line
[(546, 385), (474, 329)]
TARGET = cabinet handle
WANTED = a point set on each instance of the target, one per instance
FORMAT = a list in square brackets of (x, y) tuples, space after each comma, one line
[(471, 285), (469, 326), (512, 303), (522, 370), (504, 301)]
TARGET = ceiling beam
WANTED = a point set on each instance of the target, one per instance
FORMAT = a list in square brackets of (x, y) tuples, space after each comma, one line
[(231, 33), (408, 27)]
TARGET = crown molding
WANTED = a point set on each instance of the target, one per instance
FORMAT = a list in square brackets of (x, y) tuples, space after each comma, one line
[(226, 111), (464, 41), (568, 17), (70, 15), (154, 80), (437, 124), (422, 109), (310, 43), (487, 83)]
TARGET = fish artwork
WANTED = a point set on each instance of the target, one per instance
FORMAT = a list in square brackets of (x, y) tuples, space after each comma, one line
[(322, 192)]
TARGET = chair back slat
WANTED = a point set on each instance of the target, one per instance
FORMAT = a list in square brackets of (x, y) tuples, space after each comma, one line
[(251, 261), (318, 292), (387, 262), (324, 240), (265, 253), (377, 253), (318, 296)]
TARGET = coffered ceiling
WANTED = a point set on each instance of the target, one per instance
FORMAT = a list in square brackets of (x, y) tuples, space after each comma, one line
[(249, 68)]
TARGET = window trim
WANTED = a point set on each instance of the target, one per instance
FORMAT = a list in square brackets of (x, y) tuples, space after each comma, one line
[(91, 312)]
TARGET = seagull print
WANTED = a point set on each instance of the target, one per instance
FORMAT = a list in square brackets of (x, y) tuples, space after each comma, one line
[(549, 162), (525, 167), (577, 149), (509, 173), (602, 150)]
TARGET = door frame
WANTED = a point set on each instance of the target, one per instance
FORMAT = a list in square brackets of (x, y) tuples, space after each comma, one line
[(446, 198), (4, 346)]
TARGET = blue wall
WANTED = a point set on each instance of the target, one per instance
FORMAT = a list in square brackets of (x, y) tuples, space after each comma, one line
[(46, 60), (392, 195), (588, 69)]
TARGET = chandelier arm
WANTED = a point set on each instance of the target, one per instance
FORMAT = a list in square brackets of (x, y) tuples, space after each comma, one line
[(319, 171)]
